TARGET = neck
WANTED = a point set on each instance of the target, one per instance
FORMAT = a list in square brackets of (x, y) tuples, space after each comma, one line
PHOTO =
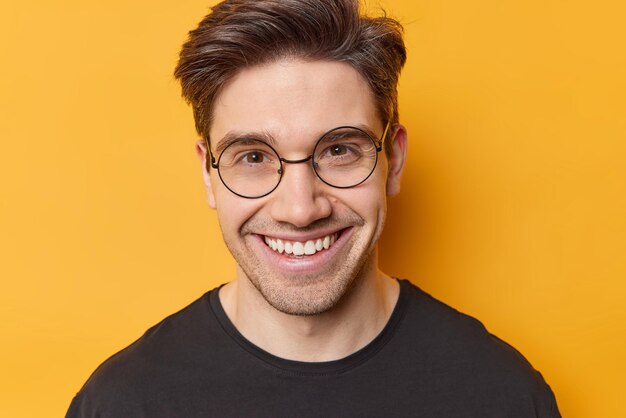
[(353, 323)]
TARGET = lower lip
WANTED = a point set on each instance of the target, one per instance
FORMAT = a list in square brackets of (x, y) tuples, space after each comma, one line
[(305, 263)]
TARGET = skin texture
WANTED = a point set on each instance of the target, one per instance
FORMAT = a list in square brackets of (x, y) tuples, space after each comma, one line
[(298, 307)]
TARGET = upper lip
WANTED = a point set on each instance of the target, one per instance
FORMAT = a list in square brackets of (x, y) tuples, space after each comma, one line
[(304, 236)]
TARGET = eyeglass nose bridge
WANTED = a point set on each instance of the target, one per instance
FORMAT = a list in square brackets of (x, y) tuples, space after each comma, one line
[(300, 161)]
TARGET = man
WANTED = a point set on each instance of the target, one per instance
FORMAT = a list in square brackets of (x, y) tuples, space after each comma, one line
[(296, 104)]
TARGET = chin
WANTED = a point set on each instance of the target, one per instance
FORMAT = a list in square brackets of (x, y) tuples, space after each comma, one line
[(310, 294)]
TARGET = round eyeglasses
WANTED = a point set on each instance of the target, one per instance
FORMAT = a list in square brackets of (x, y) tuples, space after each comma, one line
[(343, 157)]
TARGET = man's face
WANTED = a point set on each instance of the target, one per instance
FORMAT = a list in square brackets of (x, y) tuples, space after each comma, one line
[(295, 102)]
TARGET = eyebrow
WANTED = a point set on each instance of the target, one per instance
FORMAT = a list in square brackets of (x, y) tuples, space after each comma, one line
[(367, 130), (234, 136)]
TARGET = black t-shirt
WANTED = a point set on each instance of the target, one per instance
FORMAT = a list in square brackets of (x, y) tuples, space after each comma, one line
[(429, 361)]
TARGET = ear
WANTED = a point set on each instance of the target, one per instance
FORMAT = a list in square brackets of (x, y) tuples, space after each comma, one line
[(396, 160), (203, 154)]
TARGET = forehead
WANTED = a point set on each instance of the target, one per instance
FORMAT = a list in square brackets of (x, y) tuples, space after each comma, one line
[(294, 99)]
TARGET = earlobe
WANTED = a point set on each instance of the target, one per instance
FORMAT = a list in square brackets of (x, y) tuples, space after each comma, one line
[(396, 160), (202, 153)]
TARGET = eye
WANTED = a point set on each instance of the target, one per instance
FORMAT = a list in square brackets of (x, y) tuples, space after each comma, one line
[(345, 149), (338, 149), (254, 157)]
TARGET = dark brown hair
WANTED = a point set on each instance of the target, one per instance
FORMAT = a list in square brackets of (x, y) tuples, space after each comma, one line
[(242, 33)]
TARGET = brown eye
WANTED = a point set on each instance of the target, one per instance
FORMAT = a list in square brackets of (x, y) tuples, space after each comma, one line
[(338, 150), (254, 157)]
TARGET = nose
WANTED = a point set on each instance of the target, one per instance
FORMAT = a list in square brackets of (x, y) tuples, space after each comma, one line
[(300, 198)]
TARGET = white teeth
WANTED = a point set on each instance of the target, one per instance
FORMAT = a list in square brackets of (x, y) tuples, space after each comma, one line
[(298, 248)]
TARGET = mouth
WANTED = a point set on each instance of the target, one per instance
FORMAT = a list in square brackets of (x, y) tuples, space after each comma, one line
[(302, 248), (310, 253)]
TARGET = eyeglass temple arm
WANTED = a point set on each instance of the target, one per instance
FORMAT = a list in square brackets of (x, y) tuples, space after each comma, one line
[(212, 158), (382, 138)]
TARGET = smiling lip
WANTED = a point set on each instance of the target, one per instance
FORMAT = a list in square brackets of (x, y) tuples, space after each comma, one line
[(298, 261)]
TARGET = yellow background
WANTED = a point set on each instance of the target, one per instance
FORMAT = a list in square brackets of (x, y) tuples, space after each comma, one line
[(513, 206)]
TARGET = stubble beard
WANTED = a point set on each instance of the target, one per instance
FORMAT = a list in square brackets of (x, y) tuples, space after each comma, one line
[(312, 293), (309, 294)]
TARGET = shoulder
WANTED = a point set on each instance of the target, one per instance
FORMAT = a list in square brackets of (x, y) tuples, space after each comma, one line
[(165, 355), (451, 332), (456, 348)]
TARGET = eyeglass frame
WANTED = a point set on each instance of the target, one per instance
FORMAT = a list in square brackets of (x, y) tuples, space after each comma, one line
[(377, 143)]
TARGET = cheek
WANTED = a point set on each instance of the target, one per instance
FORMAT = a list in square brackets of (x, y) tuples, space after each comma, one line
[(377, 200), (369, 201), (233, 211)]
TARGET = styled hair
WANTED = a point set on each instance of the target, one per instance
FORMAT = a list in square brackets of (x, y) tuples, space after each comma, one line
[(242, 33)]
